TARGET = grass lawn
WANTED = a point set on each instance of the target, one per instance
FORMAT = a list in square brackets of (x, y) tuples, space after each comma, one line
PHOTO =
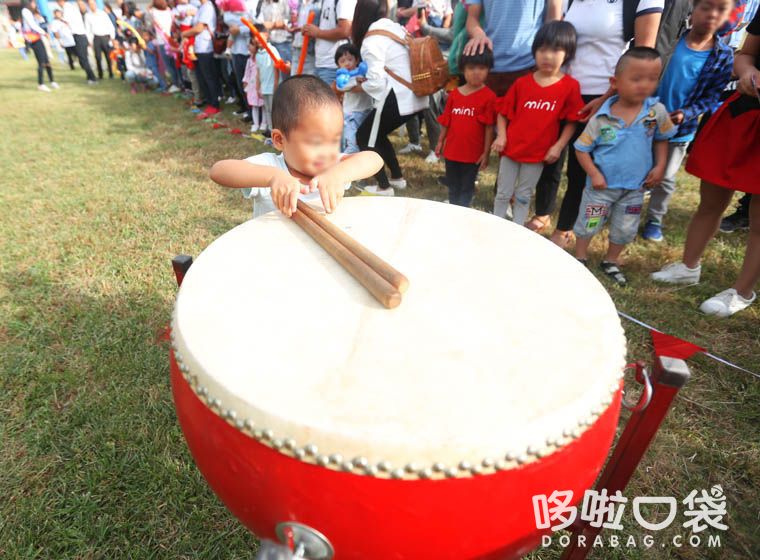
[(98, 190)]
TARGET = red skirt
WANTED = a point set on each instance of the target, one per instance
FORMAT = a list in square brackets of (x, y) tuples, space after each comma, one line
[(727, 150)]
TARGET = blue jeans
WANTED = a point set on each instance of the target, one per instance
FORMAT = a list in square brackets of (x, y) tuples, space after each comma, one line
[(621, 207), (133, 77), (351, 123), (171, 65), (152, 64), (327, 75)]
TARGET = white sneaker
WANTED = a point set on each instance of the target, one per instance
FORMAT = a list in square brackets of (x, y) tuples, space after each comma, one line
[(254, 128), (55, 85), (431, 158), (409, 148), (398, 183), (92, 83), (43, 87), (230, 99), (377, 191), (726, 303), (677, 273), (174, 89)]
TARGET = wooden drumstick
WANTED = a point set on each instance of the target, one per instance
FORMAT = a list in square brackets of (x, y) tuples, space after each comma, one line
[(393, 276), (378, 286)]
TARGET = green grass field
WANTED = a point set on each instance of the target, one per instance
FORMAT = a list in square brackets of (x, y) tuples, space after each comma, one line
[(98, 190)]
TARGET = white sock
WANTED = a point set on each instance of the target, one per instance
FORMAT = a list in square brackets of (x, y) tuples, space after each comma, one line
[(255, 117)]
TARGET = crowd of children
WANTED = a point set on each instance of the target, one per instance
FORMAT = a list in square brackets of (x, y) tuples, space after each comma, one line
[(630, 145)]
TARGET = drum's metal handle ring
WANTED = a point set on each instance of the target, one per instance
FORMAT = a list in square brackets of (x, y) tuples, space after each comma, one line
[(642, 376)]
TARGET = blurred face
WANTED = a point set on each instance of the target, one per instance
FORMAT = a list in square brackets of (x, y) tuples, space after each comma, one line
[(32, 5), (253, 48), (58, 14), (638, 79), (709, 15), (549, 60), (475, 74), (134, 47), (93, 6), (314, 145), (347, 61)]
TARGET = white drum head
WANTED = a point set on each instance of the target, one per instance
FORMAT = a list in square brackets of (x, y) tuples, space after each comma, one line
[(503, 348)]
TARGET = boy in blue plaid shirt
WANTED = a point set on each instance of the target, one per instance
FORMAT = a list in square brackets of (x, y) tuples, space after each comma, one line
[(615, 151), (697, 73)]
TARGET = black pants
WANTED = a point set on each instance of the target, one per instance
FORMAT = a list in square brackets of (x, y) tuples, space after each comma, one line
[(101, 44), (84, 61), (390, 120), (460, 178), (43, 64), (207, 71), (548, 184), (71, 54), (238, 68)]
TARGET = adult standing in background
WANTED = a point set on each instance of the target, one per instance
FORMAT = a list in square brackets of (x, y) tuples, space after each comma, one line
[(510, 26), (234, 11), (162, 18), (604, 31), (306, 8), (275, 15), (204, 24), (394, 103), (73, 16), (100, 32), (33, 34), (333, 30)]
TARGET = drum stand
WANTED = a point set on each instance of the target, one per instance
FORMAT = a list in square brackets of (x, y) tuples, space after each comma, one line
[(668, 376)]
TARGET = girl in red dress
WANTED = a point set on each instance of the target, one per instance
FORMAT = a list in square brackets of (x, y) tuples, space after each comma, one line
[(726, 156)]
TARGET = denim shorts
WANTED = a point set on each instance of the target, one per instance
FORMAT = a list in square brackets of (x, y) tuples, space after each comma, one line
[(621, 207)]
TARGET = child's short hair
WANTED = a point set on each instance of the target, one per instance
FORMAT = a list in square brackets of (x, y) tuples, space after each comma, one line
[(296, 94), (476, 59), (347, 48), (558, 35), (57, 11), (636, 53), (260, 27)]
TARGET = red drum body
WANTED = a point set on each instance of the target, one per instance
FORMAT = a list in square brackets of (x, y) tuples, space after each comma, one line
[(487, 517), (422, 432)]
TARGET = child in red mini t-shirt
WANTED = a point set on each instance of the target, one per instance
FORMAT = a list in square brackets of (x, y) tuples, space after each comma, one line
[(467, 128), (529, 119)]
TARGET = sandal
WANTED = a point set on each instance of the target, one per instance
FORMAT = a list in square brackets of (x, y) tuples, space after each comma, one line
[(539, 223), (613, 271)]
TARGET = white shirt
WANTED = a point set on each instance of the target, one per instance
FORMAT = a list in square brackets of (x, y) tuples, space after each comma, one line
[(62, 31), (162, 24), (73, 17), (207, 15), (135, 62), (599, 24), (332, 11), (440, 8), (380, 52), (272, 12), (262, 201), (98, 23), (355, 102), (30, 22)]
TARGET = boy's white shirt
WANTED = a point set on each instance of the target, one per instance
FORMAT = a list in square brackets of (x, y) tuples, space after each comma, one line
[(262, 201), (354, 102)]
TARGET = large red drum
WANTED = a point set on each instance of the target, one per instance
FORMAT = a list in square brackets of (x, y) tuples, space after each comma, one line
[(422, 432)]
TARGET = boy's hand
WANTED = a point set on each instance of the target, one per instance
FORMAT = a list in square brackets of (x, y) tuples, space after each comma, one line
[(483, 160), (498, 144), (284, 189), (654, 177), (553, 154), (439, 147), (330, 190), (676, 117), (598, 182)]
